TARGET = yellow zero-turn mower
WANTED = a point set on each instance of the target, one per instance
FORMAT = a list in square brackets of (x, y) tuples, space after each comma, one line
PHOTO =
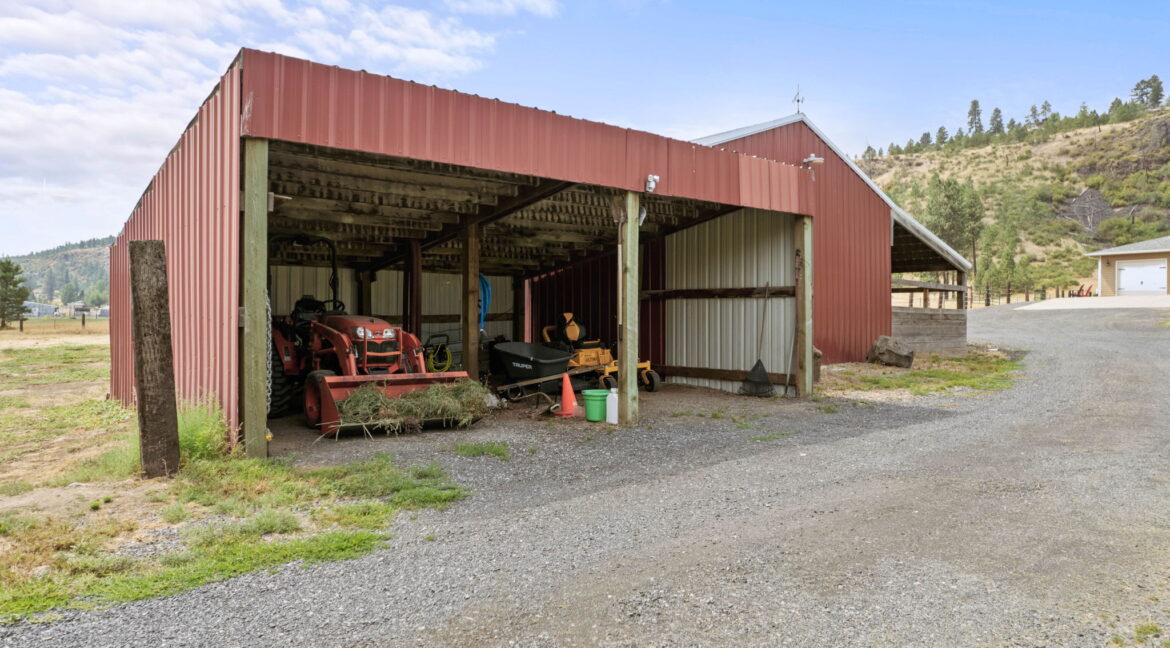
[(569, 335)]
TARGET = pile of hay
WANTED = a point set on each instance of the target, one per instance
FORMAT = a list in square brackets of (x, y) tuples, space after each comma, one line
[(451, 404)]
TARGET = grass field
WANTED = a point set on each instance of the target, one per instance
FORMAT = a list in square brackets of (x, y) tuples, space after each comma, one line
[(73, 507), (54, 327)]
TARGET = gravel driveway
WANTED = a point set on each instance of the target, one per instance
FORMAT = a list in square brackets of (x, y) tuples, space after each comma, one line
[(1033, 517)]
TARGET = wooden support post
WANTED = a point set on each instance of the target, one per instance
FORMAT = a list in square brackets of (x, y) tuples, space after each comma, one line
[(628, 305), (469, 327), (255, 330), (519, 285), (961, 298), (803, 238), (412, 289), (83, 320), (366, 292), (154, 371)]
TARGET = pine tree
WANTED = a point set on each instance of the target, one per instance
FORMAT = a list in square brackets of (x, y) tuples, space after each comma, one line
[(880, 152), (869, 153), (925, 140), (1012, 125), (50, 284), (975, 118), (954, 211), (1045, 111), (1141, 92), (1156, 91), (894, 149), (941, 136), (13, 292), (996, 122), (910, 146), (1033, 116), (69, 293)]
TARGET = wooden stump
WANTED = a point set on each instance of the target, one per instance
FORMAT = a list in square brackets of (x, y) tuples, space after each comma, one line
[(158, 424)]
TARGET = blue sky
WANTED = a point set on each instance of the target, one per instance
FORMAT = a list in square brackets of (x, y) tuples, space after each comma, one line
[(93, 93)]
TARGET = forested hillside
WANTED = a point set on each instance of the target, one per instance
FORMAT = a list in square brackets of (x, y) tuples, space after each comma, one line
[(1026, 199), (70, 272)]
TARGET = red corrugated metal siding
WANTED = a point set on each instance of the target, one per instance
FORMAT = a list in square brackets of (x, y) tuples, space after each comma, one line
[(851, 250), (589, 290), (192, 204), (300, 101)]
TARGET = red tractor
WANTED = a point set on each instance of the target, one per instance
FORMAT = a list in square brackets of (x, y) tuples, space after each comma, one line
[(330, 354)]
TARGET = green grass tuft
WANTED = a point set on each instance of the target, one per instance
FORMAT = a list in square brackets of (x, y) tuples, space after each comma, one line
[(497, 449), (828, 409), (202, 431), (1143, 632), (771, 437), (174, 513), (356, 515), (15, 488)]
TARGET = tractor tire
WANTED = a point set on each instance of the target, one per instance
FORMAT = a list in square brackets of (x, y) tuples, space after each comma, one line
[(312, 399), (653, 380), (284, 389), (607, 382)]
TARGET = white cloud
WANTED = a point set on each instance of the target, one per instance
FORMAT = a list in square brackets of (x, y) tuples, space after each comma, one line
[(545, 8), (94, 93)]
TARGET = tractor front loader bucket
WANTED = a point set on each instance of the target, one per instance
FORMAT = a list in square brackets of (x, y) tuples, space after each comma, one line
[(334, 389)]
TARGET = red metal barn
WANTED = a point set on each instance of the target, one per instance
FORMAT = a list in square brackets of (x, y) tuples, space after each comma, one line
[(654, 242)]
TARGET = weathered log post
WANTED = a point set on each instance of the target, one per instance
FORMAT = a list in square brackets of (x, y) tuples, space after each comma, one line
[(158, 424)]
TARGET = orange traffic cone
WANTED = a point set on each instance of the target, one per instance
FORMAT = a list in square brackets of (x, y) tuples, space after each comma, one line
[(568, 399)]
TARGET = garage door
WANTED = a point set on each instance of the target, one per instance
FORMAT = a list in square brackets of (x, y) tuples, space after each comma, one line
[(1147, 277)]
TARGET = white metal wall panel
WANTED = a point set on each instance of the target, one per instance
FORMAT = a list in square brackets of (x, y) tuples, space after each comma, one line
[(748, 248), (441, 296), (290, 283)]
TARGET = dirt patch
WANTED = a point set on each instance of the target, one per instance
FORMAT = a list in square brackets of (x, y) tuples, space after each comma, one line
[(126, 498), (29, 342)]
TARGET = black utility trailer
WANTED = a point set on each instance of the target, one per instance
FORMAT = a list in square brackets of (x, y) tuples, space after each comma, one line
[(528, 366)]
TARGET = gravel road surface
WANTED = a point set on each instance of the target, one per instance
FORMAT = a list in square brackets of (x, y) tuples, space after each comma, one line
[(1036, 516)]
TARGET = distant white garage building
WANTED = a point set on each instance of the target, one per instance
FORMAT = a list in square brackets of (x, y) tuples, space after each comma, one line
[(1136, 269)]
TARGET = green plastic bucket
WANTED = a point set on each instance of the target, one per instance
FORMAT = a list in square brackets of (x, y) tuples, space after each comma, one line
[(595, 404)]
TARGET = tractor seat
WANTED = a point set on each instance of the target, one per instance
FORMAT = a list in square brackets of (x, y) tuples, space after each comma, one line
[(587, 344)]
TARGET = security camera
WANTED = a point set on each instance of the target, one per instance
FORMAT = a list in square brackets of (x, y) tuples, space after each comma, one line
[(651, 182)]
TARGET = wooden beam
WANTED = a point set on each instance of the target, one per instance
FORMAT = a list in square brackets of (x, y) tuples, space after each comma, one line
[(469, 327), (365, 282), (913, 286), (519, 288), (737, 375), (154, 369), (376, 214), (803, 237), (444, 318), (485, 215), (720, 293), (256, 330), (627, 291), (307, 183), (345, 169), (412, 288)]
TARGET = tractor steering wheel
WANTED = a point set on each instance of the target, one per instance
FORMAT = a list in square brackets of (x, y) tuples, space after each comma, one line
[(339, 306)]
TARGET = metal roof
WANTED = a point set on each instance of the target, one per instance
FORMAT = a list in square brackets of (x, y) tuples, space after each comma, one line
[(1161, 244), (900, 216)]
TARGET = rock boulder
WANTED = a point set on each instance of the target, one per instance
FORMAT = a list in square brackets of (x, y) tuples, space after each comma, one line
[(888, 351)]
